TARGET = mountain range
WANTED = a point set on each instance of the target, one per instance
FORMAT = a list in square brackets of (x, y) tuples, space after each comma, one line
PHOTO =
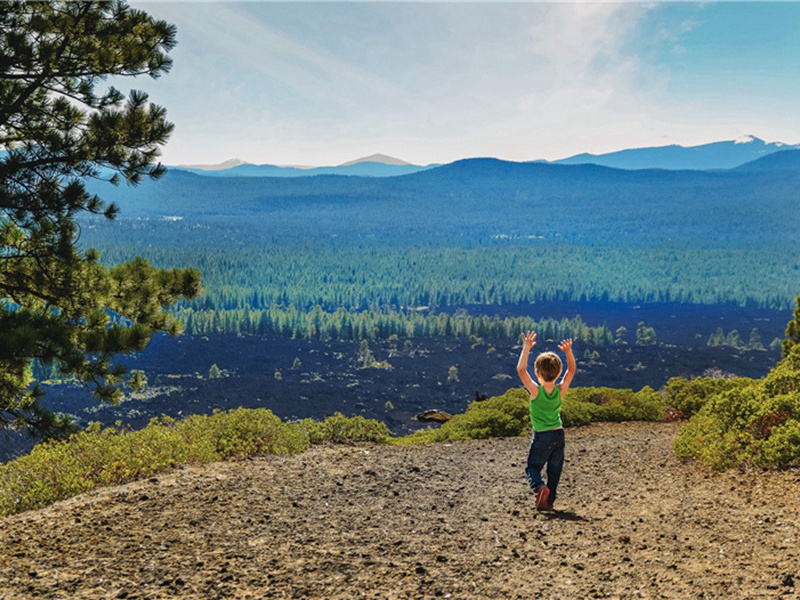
[(715, 156), (753, 205), (718, 155), (376, 165)]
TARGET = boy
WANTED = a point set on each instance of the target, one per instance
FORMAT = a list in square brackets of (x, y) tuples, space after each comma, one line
[(547, 446)]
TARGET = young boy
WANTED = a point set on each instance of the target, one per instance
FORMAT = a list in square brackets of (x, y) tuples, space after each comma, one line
[(547, 446)]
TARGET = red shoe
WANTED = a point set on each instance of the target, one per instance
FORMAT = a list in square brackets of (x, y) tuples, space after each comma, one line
[(542, 494)]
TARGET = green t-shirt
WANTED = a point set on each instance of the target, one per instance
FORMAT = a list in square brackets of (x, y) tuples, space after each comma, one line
[(546, 410)]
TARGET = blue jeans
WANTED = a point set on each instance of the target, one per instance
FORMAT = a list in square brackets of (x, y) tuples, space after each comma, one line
[(547, 447)]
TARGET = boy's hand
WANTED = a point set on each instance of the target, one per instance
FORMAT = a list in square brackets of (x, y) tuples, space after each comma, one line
[(566, 345), (529, 339)]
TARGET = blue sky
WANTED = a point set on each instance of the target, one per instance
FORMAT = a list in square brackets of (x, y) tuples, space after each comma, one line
[(299, 83)]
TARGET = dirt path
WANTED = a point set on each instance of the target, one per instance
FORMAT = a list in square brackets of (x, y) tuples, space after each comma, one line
[(446, 521)]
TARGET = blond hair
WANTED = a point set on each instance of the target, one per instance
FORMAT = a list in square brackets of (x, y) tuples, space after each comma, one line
[(548, 366)]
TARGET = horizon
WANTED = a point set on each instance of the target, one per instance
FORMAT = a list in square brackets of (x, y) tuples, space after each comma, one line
[(236, 161), (320, 84)]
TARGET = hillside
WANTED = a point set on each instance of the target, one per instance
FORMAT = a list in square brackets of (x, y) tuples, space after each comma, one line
[(430, 521), (473, 201)]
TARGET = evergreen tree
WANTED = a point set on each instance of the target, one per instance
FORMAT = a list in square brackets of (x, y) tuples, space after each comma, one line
[(645, 336), (754, 343), (792, 332), (733, 339), (717, 338), (59, 127), (452, 373), (365, 356)]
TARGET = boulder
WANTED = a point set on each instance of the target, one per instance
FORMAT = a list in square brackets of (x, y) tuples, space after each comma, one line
[(438, 416)]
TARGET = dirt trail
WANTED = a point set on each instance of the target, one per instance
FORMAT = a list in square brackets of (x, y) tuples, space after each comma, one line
[(438, 521)]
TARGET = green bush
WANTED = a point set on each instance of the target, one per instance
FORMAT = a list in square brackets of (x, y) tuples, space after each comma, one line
[(311, 429), (501, 416), (752, 422), (575, 412), (649, 406), (782, 447), (243, 432), (338, 428), (94, 457), (590, 404), (689, 395)]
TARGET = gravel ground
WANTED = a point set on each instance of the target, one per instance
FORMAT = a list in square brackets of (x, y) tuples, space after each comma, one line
[(436, 521)]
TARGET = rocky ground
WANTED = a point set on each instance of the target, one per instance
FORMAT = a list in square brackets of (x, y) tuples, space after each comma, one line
[(446, 521)]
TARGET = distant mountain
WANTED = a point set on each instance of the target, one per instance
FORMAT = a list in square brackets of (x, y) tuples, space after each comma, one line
[(707, 157), (777, 161), (376, 165), (719, 155), (228, 164), (376, 158)]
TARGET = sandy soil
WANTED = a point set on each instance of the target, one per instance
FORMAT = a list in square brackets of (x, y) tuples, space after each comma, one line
[(439, 521)]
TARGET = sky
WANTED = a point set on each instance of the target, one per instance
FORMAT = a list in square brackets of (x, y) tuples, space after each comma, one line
[(320, 84)]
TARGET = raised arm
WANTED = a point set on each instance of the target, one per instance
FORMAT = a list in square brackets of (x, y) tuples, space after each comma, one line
[(528, 342), (566, 348)]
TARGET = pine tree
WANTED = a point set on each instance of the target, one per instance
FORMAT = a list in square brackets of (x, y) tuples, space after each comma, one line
[(754, 342), (792, 332), (59, 126), (733, 339), (645, 336), (717, 338), (452, 373)]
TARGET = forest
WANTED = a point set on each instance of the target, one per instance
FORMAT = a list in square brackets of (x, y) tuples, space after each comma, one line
[(474, 232), (332, 257)]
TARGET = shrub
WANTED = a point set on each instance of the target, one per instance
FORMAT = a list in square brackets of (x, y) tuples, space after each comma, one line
[(501, 416), (782, 448), (703, 439), (338, 428), (575, 413), (243, 432), (58, 470), (689, 395), (752, 422), (590, 404), (311, 429)]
